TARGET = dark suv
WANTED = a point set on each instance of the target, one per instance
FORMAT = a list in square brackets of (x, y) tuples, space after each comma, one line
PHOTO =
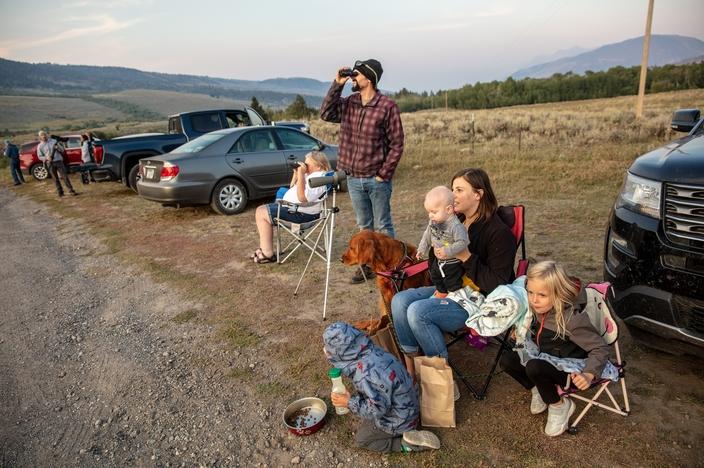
[(654, 249)]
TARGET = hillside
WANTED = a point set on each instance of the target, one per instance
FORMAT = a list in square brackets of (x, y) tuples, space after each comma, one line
[(48, 78), (664, 50)]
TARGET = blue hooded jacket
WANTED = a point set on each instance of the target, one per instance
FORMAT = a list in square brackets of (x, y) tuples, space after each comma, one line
[(386, 393)]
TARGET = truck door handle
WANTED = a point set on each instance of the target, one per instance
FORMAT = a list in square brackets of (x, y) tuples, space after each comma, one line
[(292, 157), (237, 160)]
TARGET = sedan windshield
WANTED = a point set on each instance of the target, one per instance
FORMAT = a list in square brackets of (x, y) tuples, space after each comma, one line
[(199, 144)]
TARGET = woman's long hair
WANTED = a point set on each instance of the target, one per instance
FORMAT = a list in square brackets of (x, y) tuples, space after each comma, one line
[(479, 180), (564, 291)]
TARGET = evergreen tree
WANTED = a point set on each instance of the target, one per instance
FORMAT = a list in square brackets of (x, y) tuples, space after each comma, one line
[(299, 109), (258, 107)]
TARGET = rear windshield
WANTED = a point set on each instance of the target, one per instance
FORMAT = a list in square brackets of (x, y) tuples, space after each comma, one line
[(199, 144)]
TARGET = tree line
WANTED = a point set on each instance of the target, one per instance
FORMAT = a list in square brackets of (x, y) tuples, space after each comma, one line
[(617, 81)]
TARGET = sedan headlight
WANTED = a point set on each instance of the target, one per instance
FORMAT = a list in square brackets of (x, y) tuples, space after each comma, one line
[(640, 195)]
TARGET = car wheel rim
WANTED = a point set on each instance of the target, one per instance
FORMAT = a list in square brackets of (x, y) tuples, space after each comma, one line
[(230, 197), (40, 172)]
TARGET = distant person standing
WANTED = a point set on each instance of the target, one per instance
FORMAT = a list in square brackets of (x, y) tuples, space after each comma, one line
[(87, 161), (371, 145), (13, 154), (52, 152)]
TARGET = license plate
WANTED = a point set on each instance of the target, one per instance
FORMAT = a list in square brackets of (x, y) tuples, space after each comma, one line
[(150, 172)]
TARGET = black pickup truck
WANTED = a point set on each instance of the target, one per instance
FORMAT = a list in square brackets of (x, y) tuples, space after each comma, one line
[(118, 158), (654, 249)]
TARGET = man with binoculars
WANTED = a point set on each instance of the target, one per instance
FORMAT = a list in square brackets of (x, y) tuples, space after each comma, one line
[(371, 145)]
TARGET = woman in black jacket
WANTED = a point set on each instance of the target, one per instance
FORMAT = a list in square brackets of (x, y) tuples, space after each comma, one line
[(421, 320)]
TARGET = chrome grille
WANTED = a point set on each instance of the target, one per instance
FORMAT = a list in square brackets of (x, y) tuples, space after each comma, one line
[(684, 214)]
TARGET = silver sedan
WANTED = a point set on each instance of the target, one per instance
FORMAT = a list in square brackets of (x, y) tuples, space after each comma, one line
[(227, 168)]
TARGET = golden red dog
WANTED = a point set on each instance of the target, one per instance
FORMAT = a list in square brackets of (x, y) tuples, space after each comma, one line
[(383, 253)]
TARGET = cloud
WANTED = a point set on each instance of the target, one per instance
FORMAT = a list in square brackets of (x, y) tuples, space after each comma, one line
[(451, 24), (100, 25)]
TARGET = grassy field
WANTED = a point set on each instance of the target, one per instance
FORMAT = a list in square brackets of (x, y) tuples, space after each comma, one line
[(171, 102), (24, 114), (568, 170)]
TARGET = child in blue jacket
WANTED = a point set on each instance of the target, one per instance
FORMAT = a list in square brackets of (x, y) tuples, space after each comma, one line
[(386, 398)]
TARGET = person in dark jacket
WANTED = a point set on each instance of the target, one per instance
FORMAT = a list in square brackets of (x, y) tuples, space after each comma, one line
[(386, 398), (421, 320), (13, 154), (371, 145), (561, 329)]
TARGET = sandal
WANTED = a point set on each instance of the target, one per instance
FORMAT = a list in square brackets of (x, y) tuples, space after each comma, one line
[(257, 254), (259, 257), (264, 259)]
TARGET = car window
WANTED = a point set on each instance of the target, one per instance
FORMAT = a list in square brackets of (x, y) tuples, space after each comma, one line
[(198, 144), (29, 147), (204, 123), (237, 119), (254, 142), (73, 143), (175, 125), (293, 140)]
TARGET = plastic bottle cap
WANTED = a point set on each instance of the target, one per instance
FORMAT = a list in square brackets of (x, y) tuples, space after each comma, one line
[(334, 372)]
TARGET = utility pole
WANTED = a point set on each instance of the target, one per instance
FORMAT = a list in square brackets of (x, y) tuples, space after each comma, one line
[(445, 101), (644, 60)]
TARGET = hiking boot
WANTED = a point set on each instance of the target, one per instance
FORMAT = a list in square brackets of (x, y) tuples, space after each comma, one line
[(417, 441), (559, 417), (537, 405), (359, 278)]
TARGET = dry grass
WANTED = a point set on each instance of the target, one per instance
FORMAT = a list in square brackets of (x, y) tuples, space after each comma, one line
[(171, 102), (22, 113), (567, 173)]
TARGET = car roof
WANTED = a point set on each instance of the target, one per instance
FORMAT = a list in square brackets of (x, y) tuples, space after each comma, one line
[(199, 111), (226, 131)]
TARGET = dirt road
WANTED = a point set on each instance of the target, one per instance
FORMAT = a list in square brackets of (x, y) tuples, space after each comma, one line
[(98, 368)]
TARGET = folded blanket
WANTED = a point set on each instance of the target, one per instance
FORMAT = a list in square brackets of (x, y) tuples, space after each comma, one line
[(505, 307)]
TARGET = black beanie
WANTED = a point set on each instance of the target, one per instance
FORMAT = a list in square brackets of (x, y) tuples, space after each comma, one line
[(371, 69)]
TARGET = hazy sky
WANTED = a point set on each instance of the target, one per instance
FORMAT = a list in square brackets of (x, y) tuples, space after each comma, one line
[(422, 45)]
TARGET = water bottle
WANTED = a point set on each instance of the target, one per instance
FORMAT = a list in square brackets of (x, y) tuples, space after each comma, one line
[(335, 375)]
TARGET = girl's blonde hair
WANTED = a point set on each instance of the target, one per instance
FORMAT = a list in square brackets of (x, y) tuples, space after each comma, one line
[(321, 159), (563, 289)]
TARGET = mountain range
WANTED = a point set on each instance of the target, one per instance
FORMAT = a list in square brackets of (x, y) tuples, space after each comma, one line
[(49, 78), (53, 79), (664, 50)]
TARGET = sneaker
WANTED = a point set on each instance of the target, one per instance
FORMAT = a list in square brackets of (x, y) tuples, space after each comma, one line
[(457, 390), (359, 278), (416, 441), (537, 405), (559, 417)]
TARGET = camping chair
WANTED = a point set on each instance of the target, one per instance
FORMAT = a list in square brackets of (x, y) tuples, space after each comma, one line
[(315, 235), (514, 217), (303, 233), (603, 321)]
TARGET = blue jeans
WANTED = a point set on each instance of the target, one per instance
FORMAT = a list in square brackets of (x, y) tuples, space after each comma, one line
[(420, 320), (371, 201), (16, 172)]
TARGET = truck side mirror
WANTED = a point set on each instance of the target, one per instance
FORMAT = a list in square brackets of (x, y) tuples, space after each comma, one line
[(684, 120)]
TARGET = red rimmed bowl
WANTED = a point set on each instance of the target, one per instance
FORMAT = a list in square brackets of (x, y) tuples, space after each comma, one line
[(305, 416)]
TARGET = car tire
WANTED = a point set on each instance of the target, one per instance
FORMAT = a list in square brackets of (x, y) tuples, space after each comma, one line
[(132, 177), (39, 172), (229, 197)]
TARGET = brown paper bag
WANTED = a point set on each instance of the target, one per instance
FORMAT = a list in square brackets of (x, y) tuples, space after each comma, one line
[(384, 338), (437, 394)]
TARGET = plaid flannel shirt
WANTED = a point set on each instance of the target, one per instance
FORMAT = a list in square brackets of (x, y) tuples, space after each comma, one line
[(371, 136)]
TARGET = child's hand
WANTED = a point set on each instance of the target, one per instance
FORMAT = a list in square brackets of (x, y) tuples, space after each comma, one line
[(440, 253), (419, 256), (583, 380), (340, 399)]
